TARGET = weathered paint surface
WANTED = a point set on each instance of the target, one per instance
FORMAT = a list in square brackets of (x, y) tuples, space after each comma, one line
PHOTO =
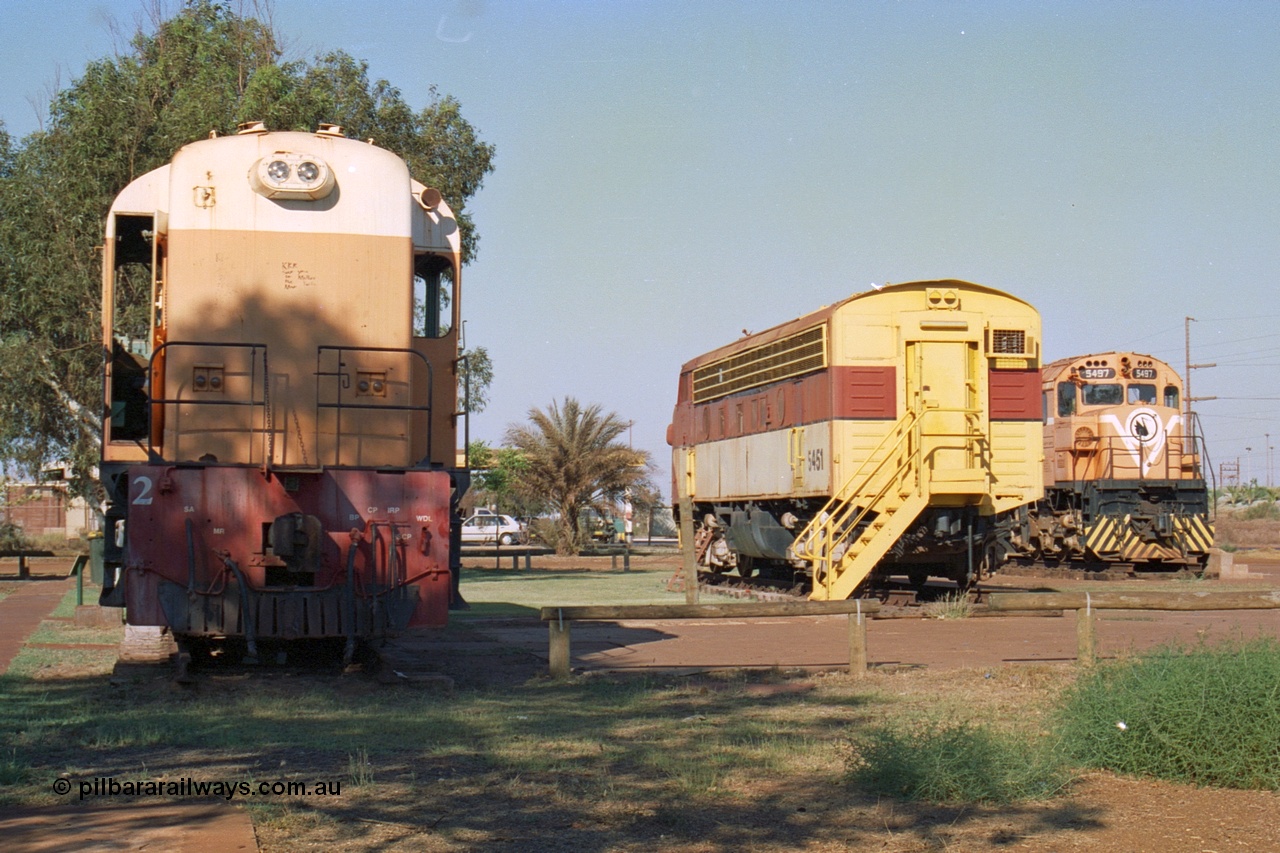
[(402, 520)]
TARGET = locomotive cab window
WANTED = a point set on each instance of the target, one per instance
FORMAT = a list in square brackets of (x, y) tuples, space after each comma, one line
[(432, 296), (1171, 396), (1108, 394), (1066, 399), (1142, 394)]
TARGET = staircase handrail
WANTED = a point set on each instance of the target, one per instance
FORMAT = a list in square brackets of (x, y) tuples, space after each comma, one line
[(831, 511)]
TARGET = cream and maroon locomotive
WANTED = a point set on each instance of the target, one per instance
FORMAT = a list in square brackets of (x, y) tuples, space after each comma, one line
[(895, 431)]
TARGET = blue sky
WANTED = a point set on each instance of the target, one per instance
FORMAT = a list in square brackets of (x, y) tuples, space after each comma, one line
[(670, 173)]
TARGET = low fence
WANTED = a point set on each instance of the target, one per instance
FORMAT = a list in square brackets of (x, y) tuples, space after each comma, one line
[(24, 573), (1086, 605), (559, 620)]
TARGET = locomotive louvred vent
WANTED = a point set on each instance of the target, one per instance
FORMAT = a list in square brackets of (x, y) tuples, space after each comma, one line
[(1008, 341), (803, 352)]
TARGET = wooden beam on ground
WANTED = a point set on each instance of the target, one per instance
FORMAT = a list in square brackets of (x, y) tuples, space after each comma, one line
[(559, 619), (612, 612), (1241, 600)]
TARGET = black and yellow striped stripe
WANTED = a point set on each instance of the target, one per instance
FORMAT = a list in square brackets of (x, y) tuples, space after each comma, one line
[(1113, 538)]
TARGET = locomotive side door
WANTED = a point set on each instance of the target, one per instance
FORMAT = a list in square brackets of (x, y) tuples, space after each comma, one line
[(942, 384)]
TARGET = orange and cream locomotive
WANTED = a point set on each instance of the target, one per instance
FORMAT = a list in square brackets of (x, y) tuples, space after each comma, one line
[(280, 442), (1123, 478)]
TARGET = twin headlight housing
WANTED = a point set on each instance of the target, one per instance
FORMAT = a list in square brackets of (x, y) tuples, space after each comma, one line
[(288, 175)]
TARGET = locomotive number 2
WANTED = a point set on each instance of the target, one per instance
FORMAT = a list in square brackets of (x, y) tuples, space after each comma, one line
[(816, 460), (143, 498)]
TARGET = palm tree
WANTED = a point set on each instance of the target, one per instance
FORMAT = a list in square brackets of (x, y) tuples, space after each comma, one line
[(573, 461)]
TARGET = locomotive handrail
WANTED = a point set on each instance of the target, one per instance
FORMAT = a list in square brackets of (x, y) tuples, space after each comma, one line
[(1115, 454), (345, 382), (823, 531), (841, 517), (263, 403)]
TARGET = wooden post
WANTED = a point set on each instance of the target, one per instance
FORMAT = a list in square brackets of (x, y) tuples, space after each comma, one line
[(559, 648), (1085, 634), (23, 573), (528, 561), (857, 644), (684, 489), (686, 550)]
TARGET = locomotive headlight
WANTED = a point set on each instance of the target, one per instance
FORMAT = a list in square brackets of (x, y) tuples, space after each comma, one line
[(292, 175)]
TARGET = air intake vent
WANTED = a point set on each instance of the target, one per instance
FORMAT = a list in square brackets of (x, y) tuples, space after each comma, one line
[(792, 356), (1008, 342)]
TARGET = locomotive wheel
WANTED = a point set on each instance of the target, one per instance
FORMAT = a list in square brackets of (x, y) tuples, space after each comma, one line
[(746, 567)]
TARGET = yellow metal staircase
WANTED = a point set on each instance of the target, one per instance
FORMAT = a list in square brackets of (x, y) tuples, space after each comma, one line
[(879, 503)]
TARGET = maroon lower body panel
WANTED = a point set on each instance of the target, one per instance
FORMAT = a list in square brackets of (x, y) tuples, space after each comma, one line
[(229, 551)]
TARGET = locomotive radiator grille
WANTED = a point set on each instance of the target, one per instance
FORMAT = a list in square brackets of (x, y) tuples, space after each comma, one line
[(795, 355), (1008, 341)]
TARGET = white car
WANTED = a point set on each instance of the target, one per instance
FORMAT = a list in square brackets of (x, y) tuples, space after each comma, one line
[(487, 527)]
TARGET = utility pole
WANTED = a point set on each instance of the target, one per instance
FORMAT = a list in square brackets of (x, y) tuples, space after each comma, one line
[(1190, 413)]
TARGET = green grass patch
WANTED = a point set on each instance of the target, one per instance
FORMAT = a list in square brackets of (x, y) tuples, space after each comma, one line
[(67, 606), (506, 592), (51, 631), (956, 762), (1205, 715)]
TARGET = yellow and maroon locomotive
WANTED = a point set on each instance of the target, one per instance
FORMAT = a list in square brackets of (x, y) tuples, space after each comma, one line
[(280, 442), (896, 431)]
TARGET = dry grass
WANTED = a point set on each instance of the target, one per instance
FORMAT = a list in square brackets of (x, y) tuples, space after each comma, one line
[(1235, 533)]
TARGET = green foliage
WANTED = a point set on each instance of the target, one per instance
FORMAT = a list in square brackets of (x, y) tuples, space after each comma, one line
[(11, 536), (1204, 715), (204, 69), (494, 472), (1249, 494), (574, 461), (953, 763), (475, 375)]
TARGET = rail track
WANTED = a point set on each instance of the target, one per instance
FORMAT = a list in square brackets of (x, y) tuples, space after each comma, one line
[(898, 591)]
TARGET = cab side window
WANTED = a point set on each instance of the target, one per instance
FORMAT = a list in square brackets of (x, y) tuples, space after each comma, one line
[(1066, 399)]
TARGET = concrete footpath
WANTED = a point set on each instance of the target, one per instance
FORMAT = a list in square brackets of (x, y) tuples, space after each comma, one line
[(174, 826)]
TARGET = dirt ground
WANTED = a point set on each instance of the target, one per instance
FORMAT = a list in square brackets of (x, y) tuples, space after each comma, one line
[(793, 658), (1101, 812)]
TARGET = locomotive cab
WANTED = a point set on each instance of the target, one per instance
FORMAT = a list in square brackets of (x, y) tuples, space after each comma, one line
[(280, 333)]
